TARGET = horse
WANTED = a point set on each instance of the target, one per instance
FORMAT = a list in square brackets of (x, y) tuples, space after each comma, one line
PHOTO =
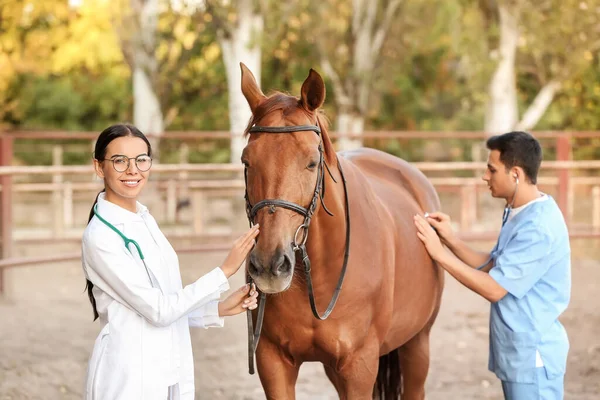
[(349, 217)]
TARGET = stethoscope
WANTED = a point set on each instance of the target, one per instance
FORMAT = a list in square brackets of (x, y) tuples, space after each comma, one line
[(127, 241), (507, 209)]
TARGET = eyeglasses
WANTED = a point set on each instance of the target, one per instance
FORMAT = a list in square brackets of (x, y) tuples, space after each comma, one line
[(121, 163)]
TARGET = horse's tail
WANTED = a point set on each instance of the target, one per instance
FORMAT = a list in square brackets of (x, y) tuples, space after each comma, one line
[(389, 377)]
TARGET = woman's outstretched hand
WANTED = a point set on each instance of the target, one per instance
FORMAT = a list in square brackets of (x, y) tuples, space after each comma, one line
[(239, 251)]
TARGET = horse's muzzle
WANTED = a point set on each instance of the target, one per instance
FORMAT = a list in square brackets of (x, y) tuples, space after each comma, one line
[(272, 273)]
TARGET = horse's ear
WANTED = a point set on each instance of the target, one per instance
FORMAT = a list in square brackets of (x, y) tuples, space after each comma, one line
[(313, 91), (254, 96)]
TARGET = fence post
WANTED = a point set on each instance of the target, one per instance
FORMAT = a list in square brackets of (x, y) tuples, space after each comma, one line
[(198, 210), (171, 200), (468, 202), (68, 205), (596, 208), (57, 194), (563, 153), (6, 153), (183, 194)]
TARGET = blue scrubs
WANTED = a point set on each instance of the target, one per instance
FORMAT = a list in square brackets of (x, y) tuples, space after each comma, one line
[(542, 388), (532, 261)]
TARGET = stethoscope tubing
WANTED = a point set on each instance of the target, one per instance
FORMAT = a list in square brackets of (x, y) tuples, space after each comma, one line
[(127, 241)]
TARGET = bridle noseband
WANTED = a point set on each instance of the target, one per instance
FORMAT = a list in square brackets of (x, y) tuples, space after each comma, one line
[(299, 244)]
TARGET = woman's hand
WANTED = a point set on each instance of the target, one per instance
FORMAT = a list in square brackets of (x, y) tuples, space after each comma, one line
[(239, 252), (239, 301), (429, 238)]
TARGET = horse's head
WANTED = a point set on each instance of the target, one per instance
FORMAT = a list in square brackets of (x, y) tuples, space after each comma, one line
[(284, 166)]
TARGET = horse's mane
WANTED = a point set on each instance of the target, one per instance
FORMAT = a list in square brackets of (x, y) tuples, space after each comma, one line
[(289, 104)]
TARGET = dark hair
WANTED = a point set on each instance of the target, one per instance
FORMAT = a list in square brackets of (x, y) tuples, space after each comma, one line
[(108, 135), (518, 149)]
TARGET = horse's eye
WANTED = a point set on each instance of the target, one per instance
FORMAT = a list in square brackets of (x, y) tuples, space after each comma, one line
[(312, 165)]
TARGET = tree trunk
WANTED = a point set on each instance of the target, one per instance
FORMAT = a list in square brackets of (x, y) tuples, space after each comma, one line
[(370, 26), (349, 123), (502, 108), (147, 112), (241, 44), (538, 107)]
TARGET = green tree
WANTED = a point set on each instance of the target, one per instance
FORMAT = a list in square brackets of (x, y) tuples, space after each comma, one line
[(540, 43)]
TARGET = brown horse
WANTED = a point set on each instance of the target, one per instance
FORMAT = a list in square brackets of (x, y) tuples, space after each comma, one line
[(357, 205)]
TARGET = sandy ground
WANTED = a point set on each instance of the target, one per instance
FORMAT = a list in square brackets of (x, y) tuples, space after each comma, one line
[(46, 334)]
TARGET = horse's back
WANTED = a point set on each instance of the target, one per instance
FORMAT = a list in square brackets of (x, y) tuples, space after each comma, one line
[(391, 176)]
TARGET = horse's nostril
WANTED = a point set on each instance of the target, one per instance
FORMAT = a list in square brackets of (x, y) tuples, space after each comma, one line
[(283, 266), (289, 262), (252, 269), (253, 265)]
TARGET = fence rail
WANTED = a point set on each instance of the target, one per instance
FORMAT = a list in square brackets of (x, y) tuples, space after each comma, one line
[(379, 134), (423, 166), (64, 191)]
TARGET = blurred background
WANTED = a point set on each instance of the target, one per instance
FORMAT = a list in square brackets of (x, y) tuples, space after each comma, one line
[(425, 80)]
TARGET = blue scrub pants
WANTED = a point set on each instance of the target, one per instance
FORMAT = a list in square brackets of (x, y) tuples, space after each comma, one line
[(542, 389)]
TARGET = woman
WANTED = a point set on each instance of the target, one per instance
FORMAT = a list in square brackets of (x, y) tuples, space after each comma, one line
[(144, 349)]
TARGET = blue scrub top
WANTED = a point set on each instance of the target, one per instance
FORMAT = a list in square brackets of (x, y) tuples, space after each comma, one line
[(532, 261)]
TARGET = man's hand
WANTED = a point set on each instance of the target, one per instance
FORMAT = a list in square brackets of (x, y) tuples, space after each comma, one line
[(441, 223), (429, 238), (240, 300)]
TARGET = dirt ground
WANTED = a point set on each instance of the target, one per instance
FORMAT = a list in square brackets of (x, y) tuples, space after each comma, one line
[(46, 335)]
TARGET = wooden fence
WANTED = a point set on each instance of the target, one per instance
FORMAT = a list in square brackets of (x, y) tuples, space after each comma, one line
[(197, 181)]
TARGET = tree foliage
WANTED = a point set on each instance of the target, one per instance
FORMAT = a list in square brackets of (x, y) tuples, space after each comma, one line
[(62, 67)]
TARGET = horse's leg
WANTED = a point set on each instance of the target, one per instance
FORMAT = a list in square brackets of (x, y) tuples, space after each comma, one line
[(356, 374), (414, 363), (333, 377), (277, 375)]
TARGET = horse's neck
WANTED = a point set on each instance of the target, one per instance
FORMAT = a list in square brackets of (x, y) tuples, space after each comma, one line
[(327, 239)]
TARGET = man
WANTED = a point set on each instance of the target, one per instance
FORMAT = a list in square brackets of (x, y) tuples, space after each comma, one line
[(526, 277)]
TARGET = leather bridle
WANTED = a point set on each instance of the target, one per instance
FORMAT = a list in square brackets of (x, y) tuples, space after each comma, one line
[(299, 244)]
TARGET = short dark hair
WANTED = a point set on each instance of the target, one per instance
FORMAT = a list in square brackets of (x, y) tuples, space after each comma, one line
[(518, 149)]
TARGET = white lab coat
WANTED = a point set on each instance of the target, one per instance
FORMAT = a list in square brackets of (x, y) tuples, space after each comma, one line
[(144, 346)]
